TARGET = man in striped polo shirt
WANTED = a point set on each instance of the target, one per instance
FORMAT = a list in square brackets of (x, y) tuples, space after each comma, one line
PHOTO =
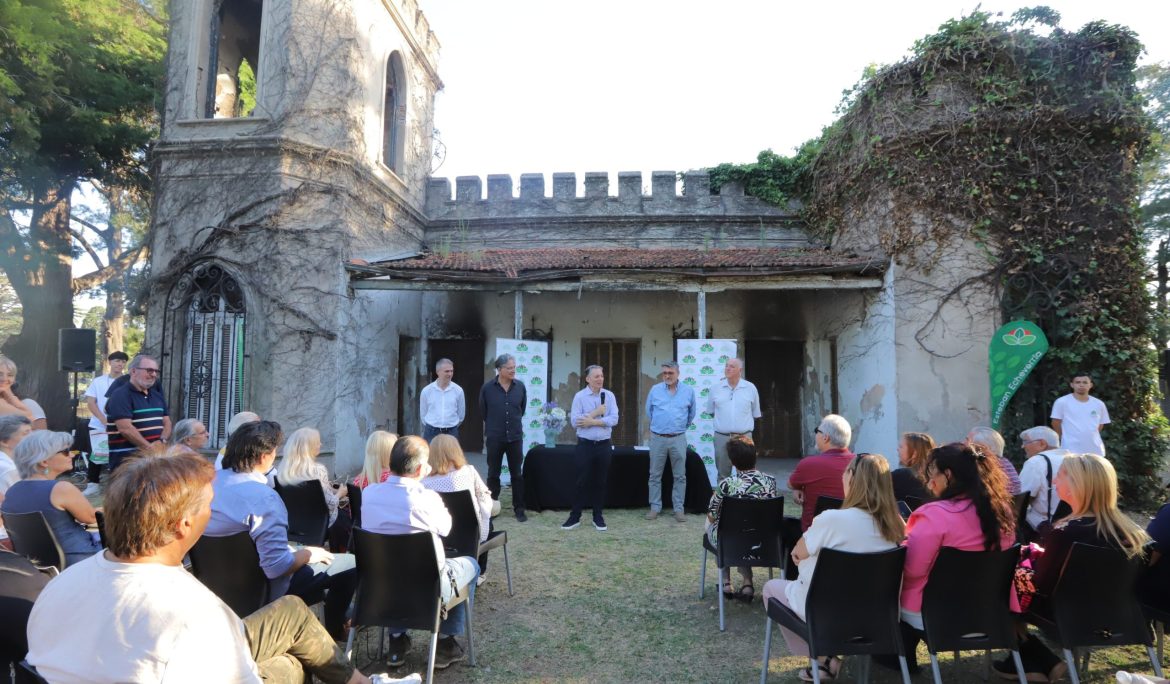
[(136, 417)]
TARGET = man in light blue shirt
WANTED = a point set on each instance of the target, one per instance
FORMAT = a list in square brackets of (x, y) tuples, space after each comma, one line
[(594, 414), (671, 407)]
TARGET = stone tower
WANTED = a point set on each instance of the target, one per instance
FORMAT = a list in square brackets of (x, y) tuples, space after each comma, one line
[(297, 136)]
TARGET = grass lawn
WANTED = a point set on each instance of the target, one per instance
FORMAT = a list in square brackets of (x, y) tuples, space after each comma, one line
[(623, 606)]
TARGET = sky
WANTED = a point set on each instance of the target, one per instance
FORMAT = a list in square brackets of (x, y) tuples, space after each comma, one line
[(543, 86)]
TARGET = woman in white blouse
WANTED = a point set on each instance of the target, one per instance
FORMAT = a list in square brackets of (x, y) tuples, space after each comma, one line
[(450, 472), (10, 404), (299, 464), (867, 522)]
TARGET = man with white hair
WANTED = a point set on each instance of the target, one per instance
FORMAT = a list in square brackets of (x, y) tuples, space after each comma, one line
[(1042, 446), (735, 404), (991, 442), (820, 474), (241, 418)]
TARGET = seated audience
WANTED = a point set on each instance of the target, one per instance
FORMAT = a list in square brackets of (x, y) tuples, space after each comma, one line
[(972, 512), (189, 435), (450, 472), (868, 522), (13, 428), (40, 459), (747, 483), (402, 505), (299, 464), (992, 443), (1154, 588), (1044, 456), (820, 474), (20, 584), (236, 421), (133, 614), (10, 404), (244, 502), (377, 463), (1088, 483), (910, 479)]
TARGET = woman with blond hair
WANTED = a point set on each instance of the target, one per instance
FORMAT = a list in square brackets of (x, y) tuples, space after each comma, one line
[(450, 472), (377, 465), (867, 522), (299, 464), (910, 480), (1088, 484), (10, 404)]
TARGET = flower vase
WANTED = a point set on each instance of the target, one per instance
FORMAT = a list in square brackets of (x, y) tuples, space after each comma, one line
[(550, 437)]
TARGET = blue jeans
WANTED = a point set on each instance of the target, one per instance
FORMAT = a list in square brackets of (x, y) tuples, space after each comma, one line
[(430, 432), (463, 571), (335, 583)]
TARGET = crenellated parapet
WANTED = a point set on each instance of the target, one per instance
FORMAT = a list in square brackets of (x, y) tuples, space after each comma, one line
[(503, 215), (533, 198)]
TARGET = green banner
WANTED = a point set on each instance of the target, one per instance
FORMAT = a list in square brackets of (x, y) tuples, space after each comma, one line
[(1014, 351)]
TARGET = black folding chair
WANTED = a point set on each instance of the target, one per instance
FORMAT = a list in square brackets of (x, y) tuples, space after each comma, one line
[(398, 589), (749, 535), (465, 532), (355, 503), (1093, 604), (826, 503), (1160, 618), (913, 502), (27, 674), (851, 609), (230, 567), (33, 538), (308, 514), (965, 605)]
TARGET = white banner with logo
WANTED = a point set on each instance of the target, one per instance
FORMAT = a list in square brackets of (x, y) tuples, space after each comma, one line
[(700, 365), (532, 370)]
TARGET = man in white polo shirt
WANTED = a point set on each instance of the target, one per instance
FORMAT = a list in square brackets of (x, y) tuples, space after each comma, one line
[(441, 404), (1078, 418), (736, 406)]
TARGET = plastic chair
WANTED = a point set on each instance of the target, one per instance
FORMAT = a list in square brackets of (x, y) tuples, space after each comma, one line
[(465, 532), (33, 538), (308, 514), (398, 588), (1093, 604), (1160, 618), (852, 609), (355, 503), (749, 535), (826, 503), (913, 502), (230, 567), (965, 604), (27, 674)]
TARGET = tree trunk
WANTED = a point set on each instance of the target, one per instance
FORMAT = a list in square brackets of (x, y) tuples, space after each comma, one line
[(114, 320), (43, 282)]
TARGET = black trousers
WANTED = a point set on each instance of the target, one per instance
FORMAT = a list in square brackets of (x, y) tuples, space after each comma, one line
[(495, 451), (592, 460)]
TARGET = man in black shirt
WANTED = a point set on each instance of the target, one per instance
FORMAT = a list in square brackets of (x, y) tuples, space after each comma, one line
[(502, 401)]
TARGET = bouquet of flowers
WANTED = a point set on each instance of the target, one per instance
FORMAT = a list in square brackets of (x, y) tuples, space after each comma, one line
[(553, 417)]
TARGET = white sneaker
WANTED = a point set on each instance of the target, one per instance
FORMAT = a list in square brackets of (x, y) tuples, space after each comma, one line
[(480, 580), (92, 489), (387, 679), (495, 507)]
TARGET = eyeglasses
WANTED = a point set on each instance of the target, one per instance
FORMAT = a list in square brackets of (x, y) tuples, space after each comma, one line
[(151, 371)]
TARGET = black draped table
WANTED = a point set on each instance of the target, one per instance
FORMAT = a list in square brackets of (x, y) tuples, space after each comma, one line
[(550, 480)]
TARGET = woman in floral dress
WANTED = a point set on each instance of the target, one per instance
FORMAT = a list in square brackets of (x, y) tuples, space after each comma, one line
[(745, 483)]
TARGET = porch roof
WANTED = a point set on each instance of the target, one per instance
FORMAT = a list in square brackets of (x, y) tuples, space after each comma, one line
[(622, 268)]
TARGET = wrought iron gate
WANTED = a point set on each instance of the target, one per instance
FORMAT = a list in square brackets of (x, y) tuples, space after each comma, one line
[(213, 356)]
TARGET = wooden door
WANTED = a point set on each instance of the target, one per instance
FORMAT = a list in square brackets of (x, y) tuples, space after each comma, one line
[(775, 368), (620, 359), (467, 355)]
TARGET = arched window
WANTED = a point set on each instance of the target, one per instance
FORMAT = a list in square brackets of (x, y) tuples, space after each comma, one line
[(394, 114), (233, 58), (213, 375)]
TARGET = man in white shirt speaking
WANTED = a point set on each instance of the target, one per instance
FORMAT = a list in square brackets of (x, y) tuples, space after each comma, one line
[(1078, 418), (735, 404), (441, 405)]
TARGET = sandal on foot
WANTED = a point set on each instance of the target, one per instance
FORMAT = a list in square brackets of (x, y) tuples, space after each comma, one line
[(746, 593), (828, 670), (728, 591)]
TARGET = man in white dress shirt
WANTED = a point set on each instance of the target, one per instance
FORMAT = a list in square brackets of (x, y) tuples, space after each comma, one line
[(1078, 418), (736, 405), (441, 405), (1043, 458)]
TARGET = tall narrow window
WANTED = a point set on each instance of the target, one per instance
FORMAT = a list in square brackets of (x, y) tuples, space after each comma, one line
[(394, 113), (234, 58)]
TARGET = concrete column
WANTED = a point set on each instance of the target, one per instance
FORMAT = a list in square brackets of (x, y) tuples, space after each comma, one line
[(519, 315), (702, 315)]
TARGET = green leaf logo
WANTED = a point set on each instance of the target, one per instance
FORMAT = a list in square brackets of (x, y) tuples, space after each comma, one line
[(521, 347), (692, 427), (537, 381), (705, 392), (522, 370), (706, 348), (707, 370), (534, 424), (689, 381), (537, 359), (535, 403), (689, 358), (724, 358), (707, 437), (1020, 337)]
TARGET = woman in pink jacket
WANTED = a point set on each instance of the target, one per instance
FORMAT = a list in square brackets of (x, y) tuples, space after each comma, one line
[(973, 512)]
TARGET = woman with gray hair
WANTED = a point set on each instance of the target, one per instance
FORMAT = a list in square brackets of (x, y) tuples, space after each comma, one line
[(40, 459), (991, 442), (189, 435)]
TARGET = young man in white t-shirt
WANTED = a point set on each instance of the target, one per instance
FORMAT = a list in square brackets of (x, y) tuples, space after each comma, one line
[(95, 399), (1078, 418), (133, 614)]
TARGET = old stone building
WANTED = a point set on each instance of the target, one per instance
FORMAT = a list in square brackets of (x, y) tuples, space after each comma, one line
[(308, 269)]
